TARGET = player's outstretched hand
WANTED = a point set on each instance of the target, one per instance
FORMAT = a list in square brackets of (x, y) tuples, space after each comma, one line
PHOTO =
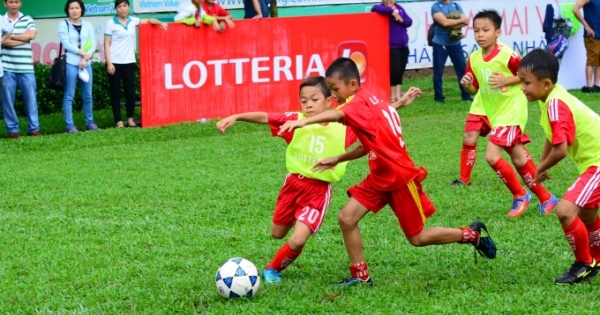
[(325, 164), (541, 177), (290, 125), (409, 96), (467, 80), (225, 123)]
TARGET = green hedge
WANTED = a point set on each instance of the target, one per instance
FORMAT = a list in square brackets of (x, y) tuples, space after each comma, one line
[(50, 101)]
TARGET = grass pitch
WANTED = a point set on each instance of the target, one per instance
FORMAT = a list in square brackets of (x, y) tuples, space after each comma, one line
[(137, 221)]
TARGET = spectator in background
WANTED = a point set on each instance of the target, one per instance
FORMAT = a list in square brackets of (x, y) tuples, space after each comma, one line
[(78, 38), (17, 59), (191, 13), (212, 8), (399, 22), (256, 9), (444, 47), (591, 40), (119, 50)]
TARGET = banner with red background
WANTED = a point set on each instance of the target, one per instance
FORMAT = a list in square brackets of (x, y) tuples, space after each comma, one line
[(189, 74)]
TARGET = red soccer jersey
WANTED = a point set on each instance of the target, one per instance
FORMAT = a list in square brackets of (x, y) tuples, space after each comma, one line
[(377, 127), (276, 120), (216, 10), (561, 122), (513, 64)]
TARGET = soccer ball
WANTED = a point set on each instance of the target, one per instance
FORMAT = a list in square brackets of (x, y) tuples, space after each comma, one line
[(237, 277)]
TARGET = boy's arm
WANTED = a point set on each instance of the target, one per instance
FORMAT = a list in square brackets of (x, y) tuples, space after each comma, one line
[(334, 115), (407, 98), (497, 80), (556, 154), (331, 162), (253, 117)]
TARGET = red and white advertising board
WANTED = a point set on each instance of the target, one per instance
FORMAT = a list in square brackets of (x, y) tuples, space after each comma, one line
[(189, 74)]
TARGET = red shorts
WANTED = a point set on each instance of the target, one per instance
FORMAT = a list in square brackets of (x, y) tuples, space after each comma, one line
[(508, 136), (478, 123), (585, 192), (302, 199), (410, 204)]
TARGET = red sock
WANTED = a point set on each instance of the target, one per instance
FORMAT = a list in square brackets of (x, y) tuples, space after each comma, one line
[(360, 271), (594, 238), (527, 173), (508, 176), (284, 257), (577, 236), (468, 154), (469, 236)]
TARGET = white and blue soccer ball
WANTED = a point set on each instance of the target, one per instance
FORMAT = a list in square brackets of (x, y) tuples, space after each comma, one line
[(237, 277)]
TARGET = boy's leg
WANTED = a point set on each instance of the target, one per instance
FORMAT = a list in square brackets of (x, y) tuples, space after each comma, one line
[(592, 224), (577, 236), (493, 155), (412, 207), (302, 203), (527, 169), (475, 126)]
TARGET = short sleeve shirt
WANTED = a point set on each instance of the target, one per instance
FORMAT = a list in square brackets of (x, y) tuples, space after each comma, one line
[(216, 10), (561, 122), (512, 65), (441, 35), (377, 127), (123, 40)]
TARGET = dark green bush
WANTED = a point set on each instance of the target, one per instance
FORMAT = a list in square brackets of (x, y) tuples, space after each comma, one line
[(50, 101)]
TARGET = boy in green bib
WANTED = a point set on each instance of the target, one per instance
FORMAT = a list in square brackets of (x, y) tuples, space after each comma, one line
[(305, 195), (492, 72), (572, 130)]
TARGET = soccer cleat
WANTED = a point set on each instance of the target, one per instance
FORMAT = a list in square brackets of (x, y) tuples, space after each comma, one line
[(272, 276), (548, 206), (348, 282), (578, 272), (485, 246), (519, 205), (459, 182)]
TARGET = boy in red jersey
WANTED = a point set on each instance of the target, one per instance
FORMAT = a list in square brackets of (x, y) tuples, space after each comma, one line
[(212, 8), (305, 195), (492, 72), (393, 177), (572, 130)]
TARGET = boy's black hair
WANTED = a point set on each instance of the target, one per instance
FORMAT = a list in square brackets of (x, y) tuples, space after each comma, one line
[(81, 5), (317, 82), (345, 69), (542, 64), (118, 2), (491, 15)]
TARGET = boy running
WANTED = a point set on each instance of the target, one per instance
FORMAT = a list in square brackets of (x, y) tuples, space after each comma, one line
[(393, 177), (492, 72), (305, 195), (571, 130)]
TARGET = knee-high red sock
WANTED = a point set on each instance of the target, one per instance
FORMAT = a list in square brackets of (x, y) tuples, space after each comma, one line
[(284, 257), (577, 236), (594, 238), (508, 176), (527, 173), (468, 155), (360, 271)]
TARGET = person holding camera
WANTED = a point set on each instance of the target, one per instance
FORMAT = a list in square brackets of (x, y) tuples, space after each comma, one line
[(449, 18)]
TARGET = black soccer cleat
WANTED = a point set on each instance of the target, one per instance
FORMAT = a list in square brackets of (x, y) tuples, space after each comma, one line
[(485, 246), (577, 273), (459, 182), (352, 281)]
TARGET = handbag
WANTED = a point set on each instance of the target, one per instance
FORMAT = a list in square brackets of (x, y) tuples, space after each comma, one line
[(58, 72)]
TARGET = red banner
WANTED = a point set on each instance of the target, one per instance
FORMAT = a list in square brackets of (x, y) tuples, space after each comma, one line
[(189, 74)]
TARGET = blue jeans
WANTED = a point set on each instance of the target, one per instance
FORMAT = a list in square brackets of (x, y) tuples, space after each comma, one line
[(440, 55), (25, 82), (86, 95)]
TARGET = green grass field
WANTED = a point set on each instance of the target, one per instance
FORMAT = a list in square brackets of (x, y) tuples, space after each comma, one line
[(137, 221)]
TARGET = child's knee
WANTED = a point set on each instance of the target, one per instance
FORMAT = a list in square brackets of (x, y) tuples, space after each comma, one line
[(519, 161), (278, 234), (470, 137), (491, 158), (345, 220)]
